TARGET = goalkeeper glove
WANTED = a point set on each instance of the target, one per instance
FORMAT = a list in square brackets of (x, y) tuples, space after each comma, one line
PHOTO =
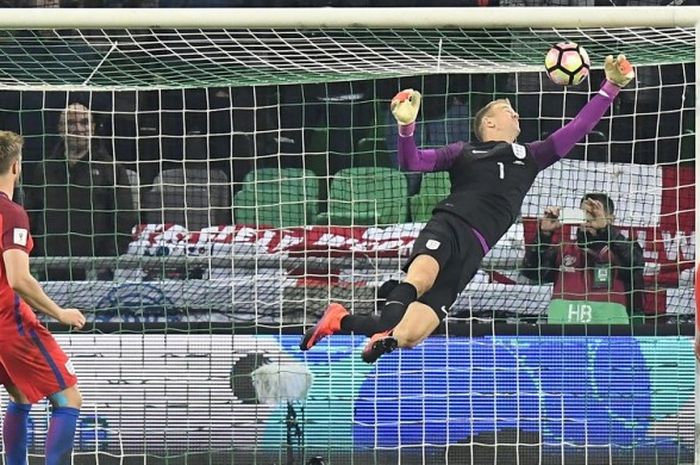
[(405, 106), (618, 70)]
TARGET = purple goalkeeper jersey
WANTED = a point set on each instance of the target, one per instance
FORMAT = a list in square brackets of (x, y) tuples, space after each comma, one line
[(490, 179)]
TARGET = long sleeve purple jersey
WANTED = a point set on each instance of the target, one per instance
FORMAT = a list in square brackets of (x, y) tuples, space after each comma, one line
[(490, 179), (546, 152)]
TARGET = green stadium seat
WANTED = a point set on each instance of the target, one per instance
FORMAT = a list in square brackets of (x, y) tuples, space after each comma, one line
[(263, 176), (366, 196), (434, 188), (284, 198)]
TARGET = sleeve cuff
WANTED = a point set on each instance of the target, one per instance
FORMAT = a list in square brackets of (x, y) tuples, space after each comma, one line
[(407, 130), (16, 247), (609, 89)]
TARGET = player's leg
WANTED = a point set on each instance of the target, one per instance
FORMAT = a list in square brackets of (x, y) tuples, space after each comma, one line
[(64, 395), (432, 247), (40, 369), (419, 322), (15, 423), (423, 317), (420, 278), (422, 272), (421, 275), (64, 418), (335, 316), (370, 324)]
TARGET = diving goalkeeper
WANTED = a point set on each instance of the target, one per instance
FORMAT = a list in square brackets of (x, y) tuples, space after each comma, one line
[(489, 177)]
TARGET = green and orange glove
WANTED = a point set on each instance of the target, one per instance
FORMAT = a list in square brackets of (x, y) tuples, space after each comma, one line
[(618, 70), (405, 106)]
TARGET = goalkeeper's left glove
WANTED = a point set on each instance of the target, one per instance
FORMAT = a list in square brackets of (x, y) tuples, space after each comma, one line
[(618, 70), (405, 106)]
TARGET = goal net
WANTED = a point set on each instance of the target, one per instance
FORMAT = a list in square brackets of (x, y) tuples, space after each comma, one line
[(202, 193)]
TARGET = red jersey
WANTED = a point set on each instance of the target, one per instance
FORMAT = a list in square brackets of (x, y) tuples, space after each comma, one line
[(578, 277), (14, 234), (31, 359)]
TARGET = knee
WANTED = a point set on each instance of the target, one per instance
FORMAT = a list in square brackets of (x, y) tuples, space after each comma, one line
[(79, 400), (422, 283), (422, 273), (407, 339), (70, 397), (76, 399)]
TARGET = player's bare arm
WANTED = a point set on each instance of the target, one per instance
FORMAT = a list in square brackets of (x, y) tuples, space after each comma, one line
[(29, 289)]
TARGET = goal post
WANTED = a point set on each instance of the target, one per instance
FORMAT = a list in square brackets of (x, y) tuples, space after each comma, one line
[(114, 58), (397, 18), (296, 96)]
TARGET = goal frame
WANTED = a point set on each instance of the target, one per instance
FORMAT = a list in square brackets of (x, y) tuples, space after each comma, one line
[(256, 18)]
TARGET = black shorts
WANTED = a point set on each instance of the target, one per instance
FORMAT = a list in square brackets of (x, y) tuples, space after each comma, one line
[(453, 244)]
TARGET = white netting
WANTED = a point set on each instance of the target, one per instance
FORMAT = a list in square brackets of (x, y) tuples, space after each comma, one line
[(259, 170)]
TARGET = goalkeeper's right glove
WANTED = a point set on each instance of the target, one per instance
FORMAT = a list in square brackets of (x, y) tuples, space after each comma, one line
[(618, 70), (405, 106)]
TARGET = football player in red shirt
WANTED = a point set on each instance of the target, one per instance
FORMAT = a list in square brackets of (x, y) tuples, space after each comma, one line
[(32, 365)]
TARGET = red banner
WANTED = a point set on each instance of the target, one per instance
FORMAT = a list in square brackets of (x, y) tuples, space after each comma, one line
[(671, 250), (313, 240)]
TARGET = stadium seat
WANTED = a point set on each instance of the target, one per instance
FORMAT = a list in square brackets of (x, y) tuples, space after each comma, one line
[(284, 197), (194, 198), (434, 188), (367, 196)]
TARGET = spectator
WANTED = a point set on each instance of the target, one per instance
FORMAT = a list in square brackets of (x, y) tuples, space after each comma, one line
[(80, 204), (602, 268)]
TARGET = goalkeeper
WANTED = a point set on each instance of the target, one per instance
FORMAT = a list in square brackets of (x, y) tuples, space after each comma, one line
[(489, 177)]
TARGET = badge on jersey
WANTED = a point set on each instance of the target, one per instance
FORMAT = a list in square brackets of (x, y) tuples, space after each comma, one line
[(70, 368), (432, 244), (20, 236), (519, 151)]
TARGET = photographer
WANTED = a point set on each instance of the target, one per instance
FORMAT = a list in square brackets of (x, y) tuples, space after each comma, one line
[(599, 277)]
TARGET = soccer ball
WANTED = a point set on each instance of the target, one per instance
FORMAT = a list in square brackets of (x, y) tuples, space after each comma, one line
[(567, 64)]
